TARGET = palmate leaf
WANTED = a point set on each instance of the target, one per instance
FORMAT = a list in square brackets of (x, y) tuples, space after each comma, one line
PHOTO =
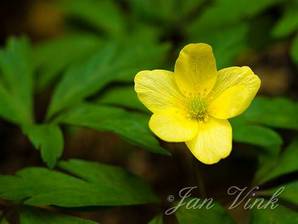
[(16, 81), (129, 125), (279, 215), (51, 57), (38, 216), (48, 138), (16, 96), (90, 184), (272, 168), (216, 214), (115, 61)]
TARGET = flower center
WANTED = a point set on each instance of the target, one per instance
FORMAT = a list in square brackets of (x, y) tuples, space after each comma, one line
[(197, 109)]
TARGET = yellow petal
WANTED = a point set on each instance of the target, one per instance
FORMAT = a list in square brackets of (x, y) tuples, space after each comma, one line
[(173, 126), (195, 70), (157, 90), (233, 92), (213, 141)]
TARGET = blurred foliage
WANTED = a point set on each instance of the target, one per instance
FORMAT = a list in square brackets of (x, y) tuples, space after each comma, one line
[(156, 220), (129, 125), (16, 87), (279, 215), (37, 216), (294, 50), (100, 185), (285, 163), (290, 192), (288, 23), (129, 99), (88, 71), (88, 78), (63, 51), (110, 19), (216, 214), (274, 112)]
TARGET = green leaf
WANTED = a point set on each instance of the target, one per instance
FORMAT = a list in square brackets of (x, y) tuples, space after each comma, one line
[(227, 43), (259, 37), (156, 220), (279, 215), (53, 56), (288, 22), (16, 81), (294, 50), (10, 108), (286, 163), (103, 15), (290, 192), (214, 17), (37, 216), (144, 47), (162, 11), (3, 221), (219, 14), (112, 62), (153, 10), (83, 80), (216, 214), (273, 112), (224, 26), (49, 139), (122, 96), (186, 7), (129, 125), (146, 54), (90, 184), (257, 135)]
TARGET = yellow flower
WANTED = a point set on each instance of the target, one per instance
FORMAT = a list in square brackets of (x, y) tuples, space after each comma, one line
[(192, 104)]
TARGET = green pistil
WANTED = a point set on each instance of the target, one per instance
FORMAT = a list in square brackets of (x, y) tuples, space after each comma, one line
[(198, 109)]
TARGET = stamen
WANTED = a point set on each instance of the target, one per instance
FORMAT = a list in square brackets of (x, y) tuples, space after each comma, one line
[(197, 109)]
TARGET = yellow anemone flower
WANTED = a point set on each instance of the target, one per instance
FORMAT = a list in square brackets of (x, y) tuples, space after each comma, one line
[(192, 104)]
